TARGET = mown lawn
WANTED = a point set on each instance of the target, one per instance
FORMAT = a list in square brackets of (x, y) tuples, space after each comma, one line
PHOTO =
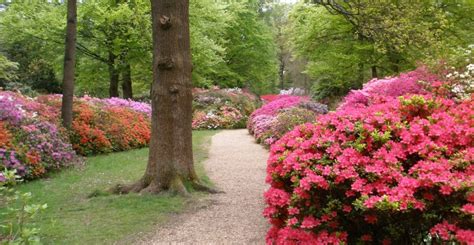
[(73, 217)]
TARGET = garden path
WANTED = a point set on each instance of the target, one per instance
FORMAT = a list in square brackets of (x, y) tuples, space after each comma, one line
[(236, 165)]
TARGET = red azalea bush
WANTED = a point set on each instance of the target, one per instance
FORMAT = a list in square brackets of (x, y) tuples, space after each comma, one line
[(105, 125), (398, 172)]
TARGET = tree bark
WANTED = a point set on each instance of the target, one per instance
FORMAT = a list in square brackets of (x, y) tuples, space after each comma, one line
[(113, 76), (69, 64), (374, 72), (170, 162), (127, 90), (281, 72)]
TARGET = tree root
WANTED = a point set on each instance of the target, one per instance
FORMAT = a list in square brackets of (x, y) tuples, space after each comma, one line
[(203, 188), (176, 186)]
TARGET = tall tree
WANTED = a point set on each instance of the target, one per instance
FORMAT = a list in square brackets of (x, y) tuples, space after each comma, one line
[(170, 162), (69, 64)]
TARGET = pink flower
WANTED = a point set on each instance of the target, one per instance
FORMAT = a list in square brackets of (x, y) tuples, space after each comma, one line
[(310, 222), (468, 208)]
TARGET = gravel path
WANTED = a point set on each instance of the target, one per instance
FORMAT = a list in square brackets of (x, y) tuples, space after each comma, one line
[(236, 165)]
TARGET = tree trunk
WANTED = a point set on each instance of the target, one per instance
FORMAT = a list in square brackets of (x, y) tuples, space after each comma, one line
[(113, 76), (127, 81), (69, 64), (374, 72), (281, 72), (170, 161), (394, 60)]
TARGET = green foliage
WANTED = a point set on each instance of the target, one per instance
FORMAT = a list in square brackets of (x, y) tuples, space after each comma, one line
[(251, 52), (347, 43), (16, 225), (231, 45), (329, 46), (208, 24), (7, 69)]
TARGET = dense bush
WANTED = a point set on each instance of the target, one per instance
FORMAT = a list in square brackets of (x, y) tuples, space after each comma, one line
[(105, 125), (268, 123), (396, 172), (222, 108), (379, 90), (28, 143)]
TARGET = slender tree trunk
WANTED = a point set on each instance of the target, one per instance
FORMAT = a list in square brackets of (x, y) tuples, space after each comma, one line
[(374, 72), (69, 64), (361, 64), (394, 61), (281, 72), (170, 161), (127, 81), (113, 76)]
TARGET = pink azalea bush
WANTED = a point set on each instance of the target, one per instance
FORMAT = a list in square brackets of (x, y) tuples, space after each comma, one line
[(268, 123), (397, 172), (380, 90), (29, 143)]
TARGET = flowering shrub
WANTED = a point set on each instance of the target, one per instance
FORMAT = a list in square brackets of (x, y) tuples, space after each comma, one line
[(462, 83), (29, 144), (222, 108), (268, 123), (380, 90), (398, 172), (105, 125)]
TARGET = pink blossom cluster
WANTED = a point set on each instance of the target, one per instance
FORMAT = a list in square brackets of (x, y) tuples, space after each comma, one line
[(119, 102), (268, 123), (380, 90), (271, 109), (389, 173), (267, 98)]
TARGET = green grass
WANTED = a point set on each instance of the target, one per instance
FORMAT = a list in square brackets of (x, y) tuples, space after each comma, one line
[(74, 218)]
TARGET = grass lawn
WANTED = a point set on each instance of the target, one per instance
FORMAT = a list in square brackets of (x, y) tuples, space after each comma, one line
[(74, 218)]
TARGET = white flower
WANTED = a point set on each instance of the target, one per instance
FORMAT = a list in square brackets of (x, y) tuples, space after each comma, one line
[(470, 67)]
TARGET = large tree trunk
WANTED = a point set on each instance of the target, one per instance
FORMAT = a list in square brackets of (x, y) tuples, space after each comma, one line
[(127, 81), (69, 64), (170, 161), (113, 76)]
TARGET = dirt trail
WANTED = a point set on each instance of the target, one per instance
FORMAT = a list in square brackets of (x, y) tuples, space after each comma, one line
[(236, 165)]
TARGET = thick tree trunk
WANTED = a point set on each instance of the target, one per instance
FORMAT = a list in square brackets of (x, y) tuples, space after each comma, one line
[(170, 161), (113, 76), (69, 64), (127, 81)]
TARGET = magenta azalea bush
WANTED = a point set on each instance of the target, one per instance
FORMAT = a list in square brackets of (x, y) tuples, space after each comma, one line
[(268, 123), (398, 172), (380, 90)]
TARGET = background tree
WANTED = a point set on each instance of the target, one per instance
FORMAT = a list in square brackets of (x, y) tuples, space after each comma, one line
[(348, 42), (69, 64)]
